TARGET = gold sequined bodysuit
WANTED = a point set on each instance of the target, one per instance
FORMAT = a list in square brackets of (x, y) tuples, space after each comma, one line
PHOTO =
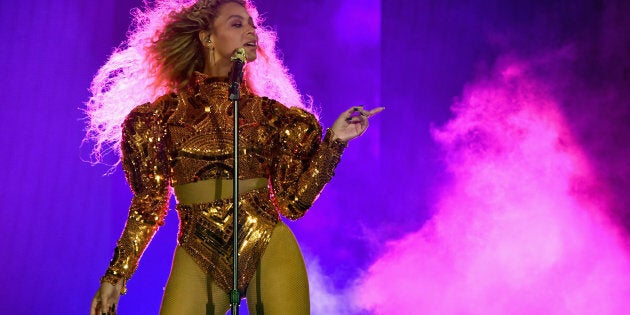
[(187, 137)]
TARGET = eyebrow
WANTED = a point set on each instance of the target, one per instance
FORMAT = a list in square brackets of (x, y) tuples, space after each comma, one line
[(238, 17)]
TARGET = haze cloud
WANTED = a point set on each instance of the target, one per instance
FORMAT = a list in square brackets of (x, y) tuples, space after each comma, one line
[(523, 226)]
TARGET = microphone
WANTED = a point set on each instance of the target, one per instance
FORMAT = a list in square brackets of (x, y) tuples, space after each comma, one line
[(236, 74)]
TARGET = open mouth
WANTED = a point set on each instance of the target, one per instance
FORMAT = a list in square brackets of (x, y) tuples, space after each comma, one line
[(251, 44)]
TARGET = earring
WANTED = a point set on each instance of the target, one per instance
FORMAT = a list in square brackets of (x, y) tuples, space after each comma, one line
[(211, 52)]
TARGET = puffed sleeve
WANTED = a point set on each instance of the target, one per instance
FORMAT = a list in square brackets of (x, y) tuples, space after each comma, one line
[(304, 163), (146, 165)]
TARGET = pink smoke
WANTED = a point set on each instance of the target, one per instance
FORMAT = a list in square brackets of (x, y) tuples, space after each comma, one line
[(520, 229)]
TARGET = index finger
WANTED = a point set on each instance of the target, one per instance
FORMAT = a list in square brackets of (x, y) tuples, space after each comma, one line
[(375, 111), (106, 304)]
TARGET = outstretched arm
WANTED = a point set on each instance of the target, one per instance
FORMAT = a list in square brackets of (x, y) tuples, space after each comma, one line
[(304, 163)]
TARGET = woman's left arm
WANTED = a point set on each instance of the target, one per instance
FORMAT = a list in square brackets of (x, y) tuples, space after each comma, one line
[(304, 163)]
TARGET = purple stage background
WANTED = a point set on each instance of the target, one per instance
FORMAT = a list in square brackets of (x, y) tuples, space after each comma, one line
[(514, 202)]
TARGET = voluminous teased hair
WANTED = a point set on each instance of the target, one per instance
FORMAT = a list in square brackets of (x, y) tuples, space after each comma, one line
[(160, 54)]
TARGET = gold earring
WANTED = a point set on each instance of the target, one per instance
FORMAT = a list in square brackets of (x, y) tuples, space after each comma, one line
[(212, 59), (210, 50)]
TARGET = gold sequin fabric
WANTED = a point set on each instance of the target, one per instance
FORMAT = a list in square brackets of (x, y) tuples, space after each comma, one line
[(186, 137)]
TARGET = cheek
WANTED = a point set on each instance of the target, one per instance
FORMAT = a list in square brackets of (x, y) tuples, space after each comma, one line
[(227, 45)]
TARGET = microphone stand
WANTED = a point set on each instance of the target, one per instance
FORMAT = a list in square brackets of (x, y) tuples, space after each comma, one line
[(236, 77)]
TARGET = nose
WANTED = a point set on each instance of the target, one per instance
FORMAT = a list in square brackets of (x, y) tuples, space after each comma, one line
[(250, 29)]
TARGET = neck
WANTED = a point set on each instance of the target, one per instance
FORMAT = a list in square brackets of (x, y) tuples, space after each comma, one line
[(219, 69)]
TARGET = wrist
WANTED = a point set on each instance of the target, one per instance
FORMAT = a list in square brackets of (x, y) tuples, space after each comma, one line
[(115, 281), (332, 140)]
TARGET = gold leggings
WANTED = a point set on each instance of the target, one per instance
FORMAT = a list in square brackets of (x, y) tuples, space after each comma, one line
[(279, 286)]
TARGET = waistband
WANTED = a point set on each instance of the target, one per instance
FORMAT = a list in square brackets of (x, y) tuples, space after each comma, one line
[(215, 189)]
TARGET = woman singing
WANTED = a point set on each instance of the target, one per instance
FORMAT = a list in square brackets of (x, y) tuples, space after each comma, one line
[(182, 141)]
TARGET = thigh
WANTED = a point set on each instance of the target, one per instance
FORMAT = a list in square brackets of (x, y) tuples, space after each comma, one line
[(190, 291), (280, 285)]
